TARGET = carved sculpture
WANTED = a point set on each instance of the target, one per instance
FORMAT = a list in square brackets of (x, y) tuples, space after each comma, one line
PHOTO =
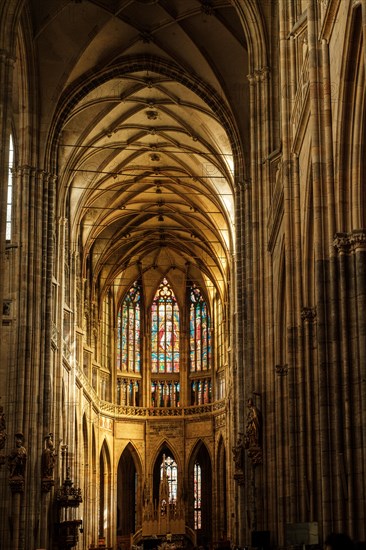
[(238, 450), (48, 464), (17, 458), (16, 461), (3, 434), (48, 457), (238, 455), (253, 433)]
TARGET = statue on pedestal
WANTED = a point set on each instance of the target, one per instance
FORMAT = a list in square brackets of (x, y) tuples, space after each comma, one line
[(253, 433), (238, 455), (48, 457), (48, 464), (16, 462)]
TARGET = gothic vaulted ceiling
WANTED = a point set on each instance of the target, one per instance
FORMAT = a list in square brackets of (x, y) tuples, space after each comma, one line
[(147, 101)]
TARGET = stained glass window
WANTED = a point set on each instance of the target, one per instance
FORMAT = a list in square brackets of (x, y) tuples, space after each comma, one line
[(128, 327), (201, 391), (197, 496), (164, 331), (199, 332), (165, 393), (170, 466)]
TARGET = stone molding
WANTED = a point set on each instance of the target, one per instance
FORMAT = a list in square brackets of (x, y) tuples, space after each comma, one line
[(7, 58), (259, 75), (346, 243), (309, 314), (281, 370)]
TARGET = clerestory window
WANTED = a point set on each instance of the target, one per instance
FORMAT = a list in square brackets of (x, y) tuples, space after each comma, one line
[(164, 331), (128, 328)]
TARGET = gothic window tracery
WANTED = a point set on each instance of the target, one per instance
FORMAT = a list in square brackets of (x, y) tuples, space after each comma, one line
[(199, 348), (162, 365), (128, 329), (129, 347), (199, 332), (164, 331), (169, 475)]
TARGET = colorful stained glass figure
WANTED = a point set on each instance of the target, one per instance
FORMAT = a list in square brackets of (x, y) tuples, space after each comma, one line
[(164, 331), (128, 331), (197, 496), (199, 332)]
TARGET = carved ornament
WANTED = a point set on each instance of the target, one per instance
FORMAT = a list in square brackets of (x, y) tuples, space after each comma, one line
[(68, 496), (345, 243), (281, 370), (253, 433), (308, 314)]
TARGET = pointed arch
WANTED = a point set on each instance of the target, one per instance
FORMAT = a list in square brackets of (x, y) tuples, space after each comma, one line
[(200, 493), (175, 468), (255, 32), (222, 491), (350, 195), (129, 493), (105, 493)]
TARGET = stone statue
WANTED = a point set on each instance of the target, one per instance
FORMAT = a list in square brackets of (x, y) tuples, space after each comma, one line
[(3, 434), (17, 458), (146, 492), (48, 457), (253, 433), (238, 451)]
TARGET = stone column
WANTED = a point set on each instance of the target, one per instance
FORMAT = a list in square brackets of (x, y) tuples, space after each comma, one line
[(327, 380), (351, 250), (6, 82), (287, 438)]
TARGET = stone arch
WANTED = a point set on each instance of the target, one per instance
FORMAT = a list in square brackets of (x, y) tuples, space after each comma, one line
[(200, 493), (166, 449), (221, 491), (350, 195), (255, 32), (9, 19), (129, 493), (105, 493)]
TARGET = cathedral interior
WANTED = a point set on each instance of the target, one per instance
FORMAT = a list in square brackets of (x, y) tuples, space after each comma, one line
[(182, 273)]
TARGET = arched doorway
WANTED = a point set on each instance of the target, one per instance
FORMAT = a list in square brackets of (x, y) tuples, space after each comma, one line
[(128, 516), (200, 494)]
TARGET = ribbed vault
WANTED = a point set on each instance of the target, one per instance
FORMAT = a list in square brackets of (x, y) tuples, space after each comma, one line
[(147, 136)]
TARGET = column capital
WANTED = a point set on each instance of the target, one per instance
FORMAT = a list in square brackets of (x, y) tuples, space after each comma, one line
[(354, 241), (7, 57), (262, 73), (308, 314)]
